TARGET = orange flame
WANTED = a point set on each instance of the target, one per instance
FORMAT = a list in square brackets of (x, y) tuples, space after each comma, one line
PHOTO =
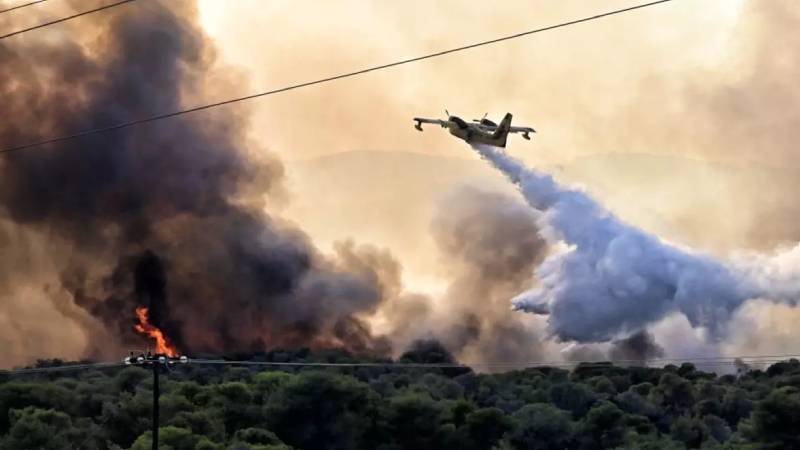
[(146, 328)]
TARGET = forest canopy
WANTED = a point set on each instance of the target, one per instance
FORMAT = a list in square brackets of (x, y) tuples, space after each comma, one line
[(593, 406)]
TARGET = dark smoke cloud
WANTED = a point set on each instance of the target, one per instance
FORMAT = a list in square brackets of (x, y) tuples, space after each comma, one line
[(583, 352), (491, 245), (639, 346), (169, 215)]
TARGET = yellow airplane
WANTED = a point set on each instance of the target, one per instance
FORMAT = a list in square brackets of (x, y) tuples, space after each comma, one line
[(482, 131)]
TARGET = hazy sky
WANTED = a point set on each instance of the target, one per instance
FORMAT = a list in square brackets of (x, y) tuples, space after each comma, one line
[(563, 82), (644, 82), (681, 118)]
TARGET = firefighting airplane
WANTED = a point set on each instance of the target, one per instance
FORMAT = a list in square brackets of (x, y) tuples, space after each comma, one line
[(482, 131)]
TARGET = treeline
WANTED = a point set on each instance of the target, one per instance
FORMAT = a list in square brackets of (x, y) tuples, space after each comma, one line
[(596, 406)]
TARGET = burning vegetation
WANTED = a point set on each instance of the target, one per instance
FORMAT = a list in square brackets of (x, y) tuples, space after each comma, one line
[(145, 328)]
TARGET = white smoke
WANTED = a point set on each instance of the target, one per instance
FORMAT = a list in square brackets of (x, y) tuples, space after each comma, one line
[(611, 278)]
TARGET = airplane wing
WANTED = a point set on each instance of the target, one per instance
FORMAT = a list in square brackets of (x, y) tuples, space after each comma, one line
[(420, 120), (492, 127), (521, 130), (424, 120), (510, 129)]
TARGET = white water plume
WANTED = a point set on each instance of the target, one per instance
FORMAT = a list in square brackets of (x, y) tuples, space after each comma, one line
[(612, 278)]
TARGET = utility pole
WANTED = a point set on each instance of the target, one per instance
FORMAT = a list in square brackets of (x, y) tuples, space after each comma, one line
[(157, 361), (156, 408)]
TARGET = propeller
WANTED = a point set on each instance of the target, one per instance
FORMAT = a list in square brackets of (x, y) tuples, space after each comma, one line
[(447, 112)]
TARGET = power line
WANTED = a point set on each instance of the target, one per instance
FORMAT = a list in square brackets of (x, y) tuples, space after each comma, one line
[(63, 19), (705, 361), (322, 80), (66, 368), (21, 6), (508, 366), (699, 361)]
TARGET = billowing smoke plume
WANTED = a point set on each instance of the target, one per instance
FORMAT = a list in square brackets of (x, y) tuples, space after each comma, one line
[(489, 244), (639, 346), (612, 278), (170, 215)]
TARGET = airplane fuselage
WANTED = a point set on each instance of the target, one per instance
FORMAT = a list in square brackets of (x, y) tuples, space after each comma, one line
[(482, 131), (476, 133)]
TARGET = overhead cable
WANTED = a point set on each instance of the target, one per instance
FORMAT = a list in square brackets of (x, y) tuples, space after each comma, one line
[(63, 19), (709, 361), (318, 81), (64, 368), (21, 6)]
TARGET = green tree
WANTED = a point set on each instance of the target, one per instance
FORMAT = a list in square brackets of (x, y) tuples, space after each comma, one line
[(44, 395), (775, 421), (219, 408), (129, 417), (33, 428), (321, 410), (674, 393), (736, 405), (603, 426), (484, 427), (202, 422), (233, 404), (266, 383), (413, 421), (653, 441), (717, 427), (576, 398), (541, 427), (257, 439), (632, 402), (690, 431)]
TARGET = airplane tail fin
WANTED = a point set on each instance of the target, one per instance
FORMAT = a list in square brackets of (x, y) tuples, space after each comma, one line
[(501, 132)]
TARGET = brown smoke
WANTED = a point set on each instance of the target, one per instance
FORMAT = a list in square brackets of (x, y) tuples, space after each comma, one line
[(639, 346), (490, 245), (741, 112), (169, 216)]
